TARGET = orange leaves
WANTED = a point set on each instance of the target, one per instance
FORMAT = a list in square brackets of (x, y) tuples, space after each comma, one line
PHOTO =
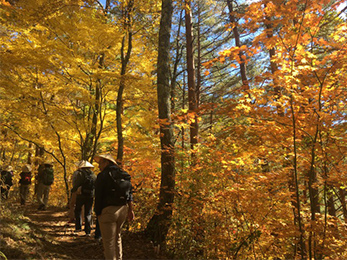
[(238, 54), (185, 117), (291, 119)]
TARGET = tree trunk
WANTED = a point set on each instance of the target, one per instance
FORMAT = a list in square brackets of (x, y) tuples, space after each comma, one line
[(30, 154), (178, 56), (342, 197), (238, 44), (90, 143), (297, 203), (125, 60), (331, 203), (193, 100), (273, 64), (192, 97), (158, 226)]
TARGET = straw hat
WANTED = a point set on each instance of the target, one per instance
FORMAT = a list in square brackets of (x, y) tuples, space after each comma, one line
[(26, 168), (8, 168), (84, 164), (104, 156)]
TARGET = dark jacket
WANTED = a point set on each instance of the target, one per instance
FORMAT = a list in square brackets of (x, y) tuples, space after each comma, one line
[(25, 178), (6, 178), (104, 183), (82, 175)]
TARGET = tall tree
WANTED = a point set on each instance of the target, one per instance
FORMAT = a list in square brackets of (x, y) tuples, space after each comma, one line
[(127, 10), (192, 93), (159, 224)]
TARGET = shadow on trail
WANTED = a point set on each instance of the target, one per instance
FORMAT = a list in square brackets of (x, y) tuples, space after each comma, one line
[(27, 233)]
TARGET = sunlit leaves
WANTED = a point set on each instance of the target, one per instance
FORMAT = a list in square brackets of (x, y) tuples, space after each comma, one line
[(305, 93)]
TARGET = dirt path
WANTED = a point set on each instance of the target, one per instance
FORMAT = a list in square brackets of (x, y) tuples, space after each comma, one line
[(47, 235)]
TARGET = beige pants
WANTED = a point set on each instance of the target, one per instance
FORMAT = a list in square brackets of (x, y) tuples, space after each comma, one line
[(43, 193), (111, 221), (24, 192)]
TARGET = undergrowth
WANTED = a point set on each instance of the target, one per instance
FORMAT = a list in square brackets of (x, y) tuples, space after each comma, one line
[(19, 239)]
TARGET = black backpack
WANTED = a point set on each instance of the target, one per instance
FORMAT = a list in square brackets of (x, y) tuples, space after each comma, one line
[(6, 178), (88, 185), (120, 188), (25, 178), (48, 176)]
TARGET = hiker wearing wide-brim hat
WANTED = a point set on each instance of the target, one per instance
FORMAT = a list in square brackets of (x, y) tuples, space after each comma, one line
[(83, 188), (45, 178), (6, 180), (9, 168), (72, 202), (25, 181), (107, 157), (26, 168), (84, 164), (113, 203)]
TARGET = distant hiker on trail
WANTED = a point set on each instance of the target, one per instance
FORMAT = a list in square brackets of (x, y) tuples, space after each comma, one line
[(6, 181), (72, 201), (85, 182), (25, 181), (39, 169), (113, 204), (45, 178)]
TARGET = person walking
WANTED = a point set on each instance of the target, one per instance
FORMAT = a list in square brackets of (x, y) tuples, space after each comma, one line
[(6, 181), (113, 204), (85, 182), (45, 179), (72, 201), (24, 182)]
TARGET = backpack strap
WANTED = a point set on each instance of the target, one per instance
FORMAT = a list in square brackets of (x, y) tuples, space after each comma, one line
[(109, 173)]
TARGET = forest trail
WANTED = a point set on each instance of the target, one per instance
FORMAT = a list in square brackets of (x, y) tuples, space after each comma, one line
[(27, 233)]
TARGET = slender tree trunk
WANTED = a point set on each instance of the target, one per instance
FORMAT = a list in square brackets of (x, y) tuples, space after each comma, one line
[(192, 97), (238, 44), (96, 112), (198, 68), (269, 33), (30, 154), (273, 64), (331, 203), (39, 152), (91, 142), (297, 203), (183, 129), (158, 226), (178, 57), (312, 187), (125, 60), (3, 150), (342, 198)]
